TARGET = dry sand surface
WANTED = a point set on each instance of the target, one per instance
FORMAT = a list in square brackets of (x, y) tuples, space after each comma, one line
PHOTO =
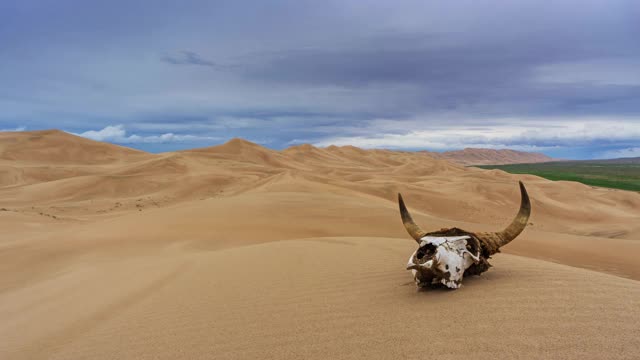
[(237, 251)]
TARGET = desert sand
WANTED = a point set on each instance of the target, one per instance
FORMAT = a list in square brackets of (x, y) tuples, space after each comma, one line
[(237, 251)]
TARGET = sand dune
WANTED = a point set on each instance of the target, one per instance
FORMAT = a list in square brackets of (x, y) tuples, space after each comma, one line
[(59, 147), (237, 250)]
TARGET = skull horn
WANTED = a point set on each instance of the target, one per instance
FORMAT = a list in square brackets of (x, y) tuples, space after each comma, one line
[(412, 228), (520, 221), (493, 241)]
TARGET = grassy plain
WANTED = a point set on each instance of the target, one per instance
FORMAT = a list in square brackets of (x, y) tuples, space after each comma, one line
[(625, 176)]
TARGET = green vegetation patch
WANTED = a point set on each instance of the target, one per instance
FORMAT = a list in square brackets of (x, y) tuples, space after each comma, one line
[(595, 173)]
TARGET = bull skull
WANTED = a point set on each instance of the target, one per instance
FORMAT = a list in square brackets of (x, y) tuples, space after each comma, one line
[(445, 256)]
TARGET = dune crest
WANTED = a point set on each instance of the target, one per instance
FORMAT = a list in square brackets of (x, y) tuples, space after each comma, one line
[(59, 147)]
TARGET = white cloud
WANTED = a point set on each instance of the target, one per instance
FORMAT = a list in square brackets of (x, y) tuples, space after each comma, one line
[(118, 134), (621, 153), (109, 133), (519, 134)]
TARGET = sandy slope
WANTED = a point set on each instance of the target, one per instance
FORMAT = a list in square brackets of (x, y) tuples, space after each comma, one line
[(108, 252), (316, 298)]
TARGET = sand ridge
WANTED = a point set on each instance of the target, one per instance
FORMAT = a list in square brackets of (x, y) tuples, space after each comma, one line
[(434, 186)]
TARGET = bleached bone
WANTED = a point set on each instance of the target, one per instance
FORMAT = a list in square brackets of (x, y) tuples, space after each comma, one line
[(451, 258)]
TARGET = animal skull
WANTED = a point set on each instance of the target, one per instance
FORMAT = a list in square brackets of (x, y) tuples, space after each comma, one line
[(445, 256), (448, 257)]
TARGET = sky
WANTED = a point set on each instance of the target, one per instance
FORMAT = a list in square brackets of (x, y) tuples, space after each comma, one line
[(561, 77)]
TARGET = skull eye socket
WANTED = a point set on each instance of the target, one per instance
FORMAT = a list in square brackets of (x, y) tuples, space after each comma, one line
[(427, 250)]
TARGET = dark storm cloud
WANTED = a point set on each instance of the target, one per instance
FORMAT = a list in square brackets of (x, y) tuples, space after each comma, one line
[(461, 75)]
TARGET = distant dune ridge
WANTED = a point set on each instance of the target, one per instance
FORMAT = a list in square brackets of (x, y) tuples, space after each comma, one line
[(473, 156), (59, 147), (236, 250)]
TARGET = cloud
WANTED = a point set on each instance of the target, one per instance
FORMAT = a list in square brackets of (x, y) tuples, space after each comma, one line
[(604, 71), (519, 134), (495, 78), (191, 58), (621, 153), (109, 133), (118, 134)]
